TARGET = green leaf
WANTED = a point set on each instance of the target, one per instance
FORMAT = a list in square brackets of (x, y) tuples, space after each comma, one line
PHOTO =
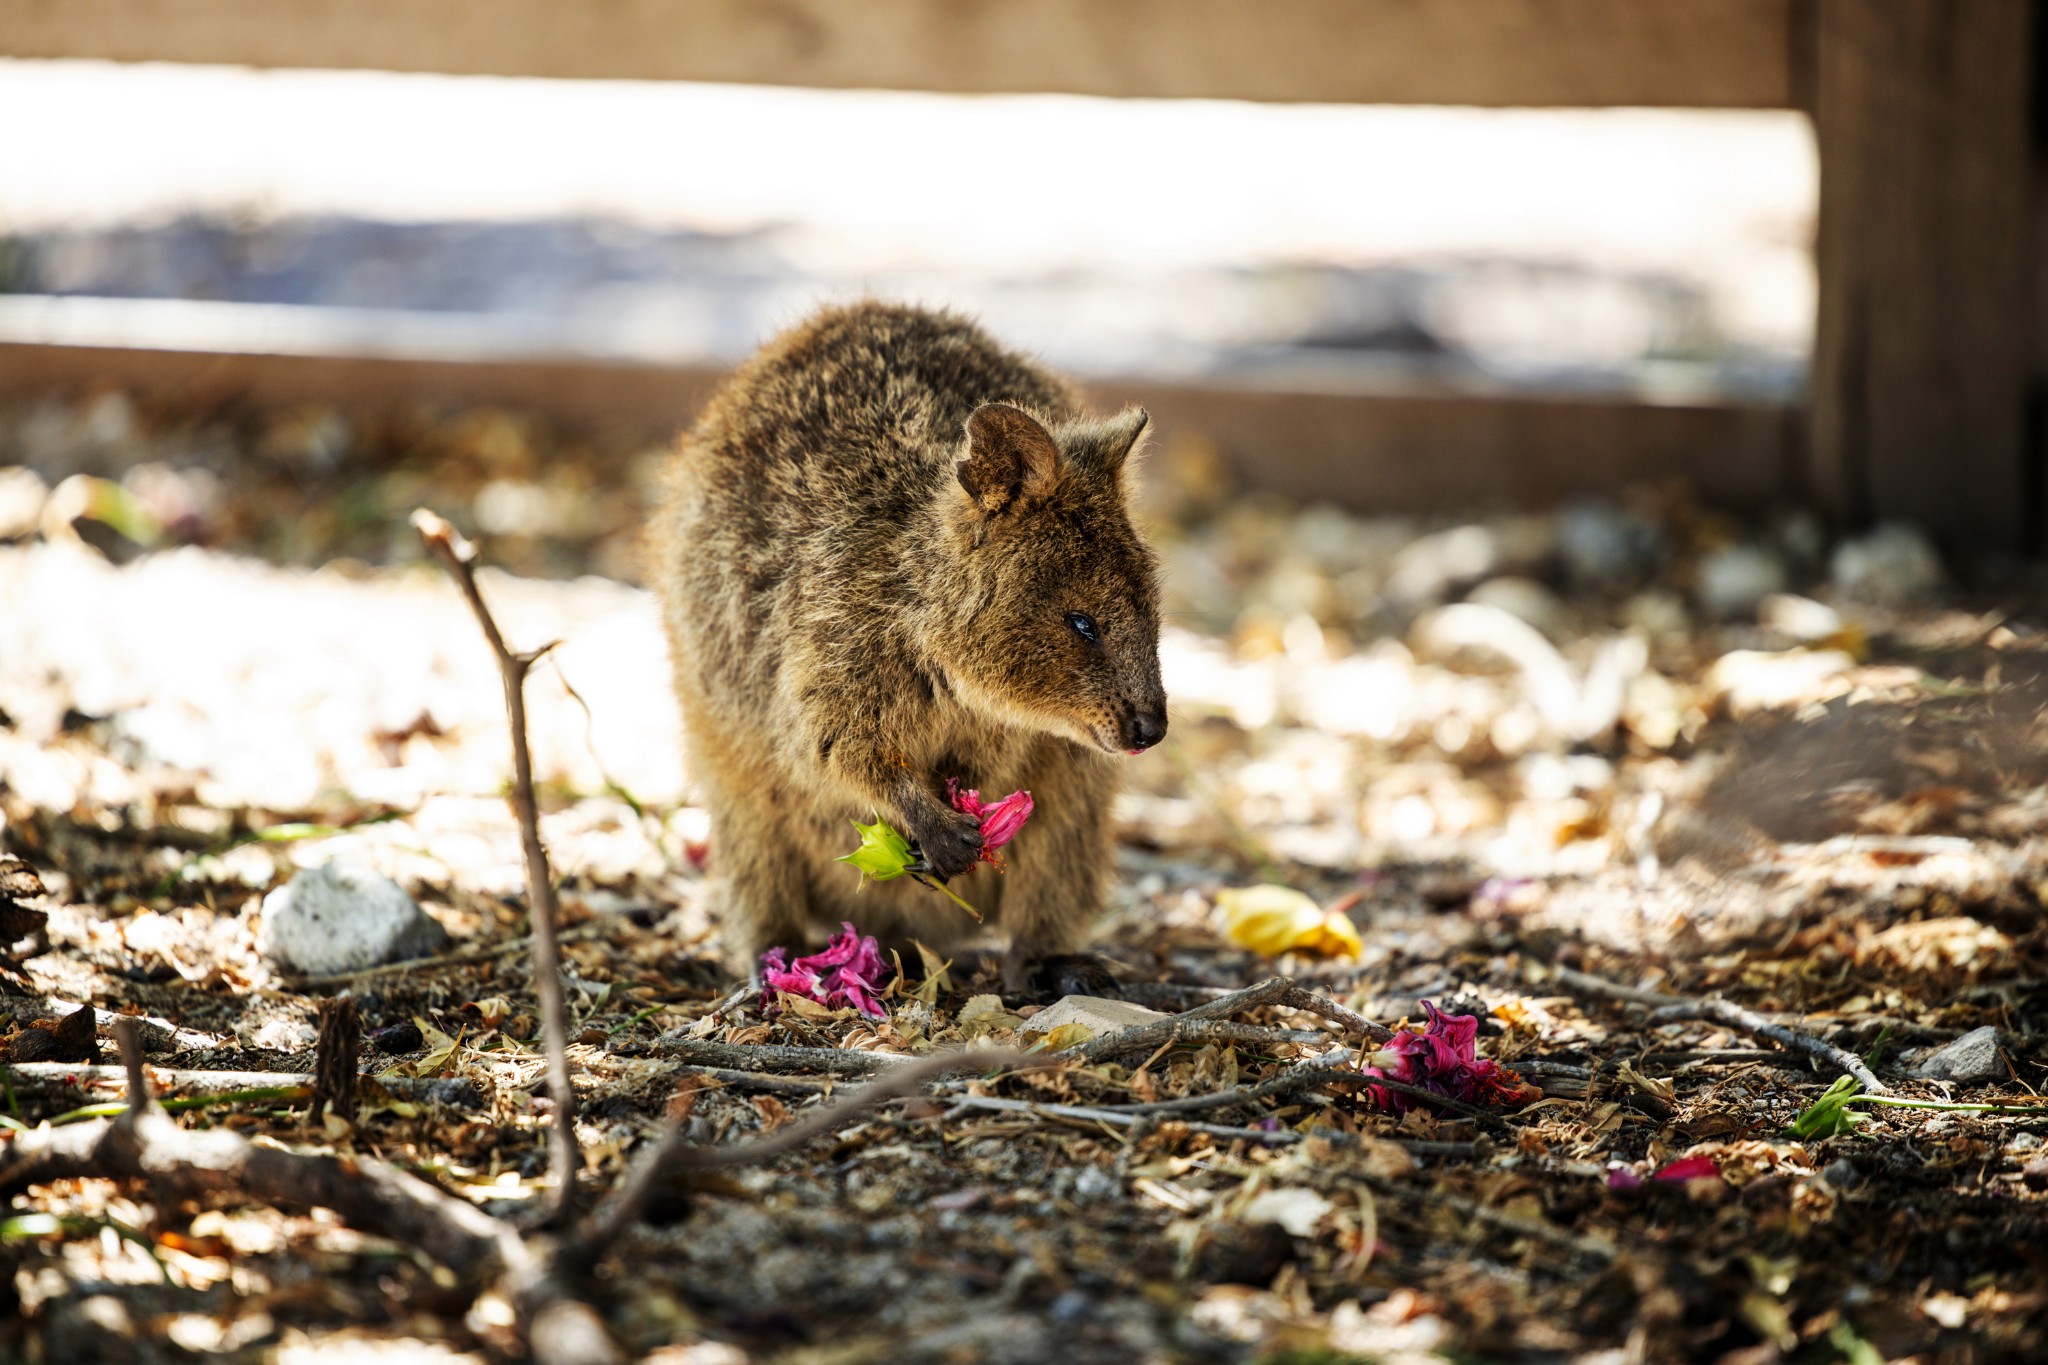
[(1829, 1116), (883, 853)]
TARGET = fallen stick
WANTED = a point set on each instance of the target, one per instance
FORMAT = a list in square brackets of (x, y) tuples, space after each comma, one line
[(565, 1157), (761, 1080), (1176, 1029), (1276, 990), (303, 984), (777, 1057), (1276, 1137), (428, 1090), (669, 1154), (1670, 1009), (1749, 1021), (26, 1009)]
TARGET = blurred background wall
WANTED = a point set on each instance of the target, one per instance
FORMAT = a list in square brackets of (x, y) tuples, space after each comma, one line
[(1407, 256)]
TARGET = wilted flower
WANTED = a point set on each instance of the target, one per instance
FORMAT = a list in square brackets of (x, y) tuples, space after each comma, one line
[(846, 974), (1443, 1058), (1000, 820)]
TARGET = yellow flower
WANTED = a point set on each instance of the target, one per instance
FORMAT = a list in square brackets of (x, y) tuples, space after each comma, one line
[(1272, 920)]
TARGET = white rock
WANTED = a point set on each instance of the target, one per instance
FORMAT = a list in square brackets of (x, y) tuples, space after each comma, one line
[(1758, 680), (1524, 598), (1972, 1057), (1735, 578), (1802, 618), (344, 917), (22, 493), (1100, 1016), (1297, 1211), (1894, 565)]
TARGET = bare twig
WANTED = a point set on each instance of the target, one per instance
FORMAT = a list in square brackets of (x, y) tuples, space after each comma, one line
[(1669, 1009), (128, 1034), (761, 1080), (73, 1078), (1121, 1117), (334, 1060), (1177, 1029), (146, 1144), (435, 964), (1277, 990), (778, 1057), (667, 1153), (162, 1032), (1306, 1076), (1351, 1021), (1585, 983), (458, 556), (1749, 1021)]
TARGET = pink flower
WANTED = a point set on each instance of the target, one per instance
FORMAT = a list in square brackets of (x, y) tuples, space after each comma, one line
[(1670, 1173), (1000, 820), (1443, 1058), (846, 974)]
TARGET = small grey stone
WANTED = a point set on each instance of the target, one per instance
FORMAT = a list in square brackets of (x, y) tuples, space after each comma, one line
[(1734, 579), (2024, 1142), (1093, 1184), (344, 917), (1895, 565), (1972, 1057), (1605, 547), (1841, 1173)]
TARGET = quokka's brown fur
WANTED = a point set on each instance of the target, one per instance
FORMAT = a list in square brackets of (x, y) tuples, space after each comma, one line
[(878, 557)]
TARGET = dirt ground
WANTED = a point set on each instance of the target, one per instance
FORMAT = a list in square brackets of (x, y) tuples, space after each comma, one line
[(1561, 772)]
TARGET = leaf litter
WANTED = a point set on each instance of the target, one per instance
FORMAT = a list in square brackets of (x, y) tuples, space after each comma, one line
[(1573, 808)]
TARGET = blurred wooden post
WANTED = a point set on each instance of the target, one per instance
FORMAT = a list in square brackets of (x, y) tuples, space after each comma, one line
[(1924, 358)]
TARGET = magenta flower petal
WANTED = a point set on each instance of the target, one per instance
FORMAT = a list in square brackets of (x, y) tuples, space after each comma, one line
[(967, 802), (1688, 1168), (1621, 1180), (1443, 1058), (1001, 821), (845, 974)]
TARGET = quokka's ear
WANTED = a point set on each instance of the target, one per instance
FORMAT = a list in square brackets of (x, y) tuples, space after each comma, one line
[(1010, 457), (1120, 436)]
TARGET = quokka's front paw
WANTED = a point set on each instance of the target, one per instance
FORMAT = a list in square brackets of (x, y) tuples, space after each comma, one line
[(950, 844)]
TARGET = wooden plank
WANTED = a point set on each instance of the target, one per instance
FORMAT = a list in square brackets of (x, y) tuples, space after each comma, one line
[(1371, 452), (1924, 355), (1703, 53)]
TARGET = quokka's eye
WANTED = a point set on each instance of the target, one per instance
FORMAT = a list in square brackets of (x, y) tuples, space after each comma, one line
[(1084, 626)]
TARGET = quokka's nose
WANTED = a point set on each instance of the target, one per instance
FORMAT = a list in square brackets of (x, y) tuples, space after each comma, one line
[(1144, 729)]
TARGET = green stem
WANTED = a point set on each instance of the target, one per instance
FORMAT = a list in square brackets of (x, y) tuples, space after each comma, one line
[(1953, 1107), (950, 894)]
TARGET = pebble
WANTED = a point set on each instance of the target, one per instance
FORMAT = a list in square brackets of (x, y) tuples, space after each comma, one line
[(1603, 547), (1841, 1173), (1894, 565), (1972, 1057), (344, 917), (1524, 598), (22, 494), (1100, 1016), (1802, 618), (1735, 579)]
